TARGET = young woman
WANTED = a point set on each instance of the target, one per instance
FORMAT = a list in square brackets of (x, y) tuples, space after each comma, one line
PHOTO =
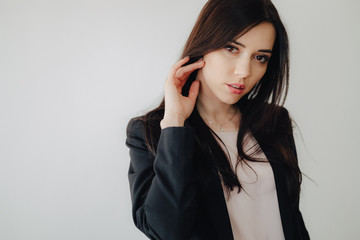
[(217, 159)]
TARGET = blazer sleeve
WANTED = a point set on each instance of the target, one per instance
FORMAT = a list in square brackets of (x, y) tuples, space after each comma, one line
[(163, 186), (304, 235)]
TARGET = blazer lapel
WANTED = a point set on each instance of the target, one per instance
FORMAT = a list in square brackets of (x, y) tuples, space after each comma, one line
[(216, 206), (286, 213)]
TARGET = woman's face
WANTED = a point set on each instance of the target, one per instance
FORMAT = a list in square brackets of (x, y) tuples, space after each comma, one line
[(231, 72)]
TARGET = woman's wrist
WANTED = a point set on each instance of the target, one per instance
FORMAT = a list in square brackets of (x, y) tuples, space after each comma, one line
[(172, 121)]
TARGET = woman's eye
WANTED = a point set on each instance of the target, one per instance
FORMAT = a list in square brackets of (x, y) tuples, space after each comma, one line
[(231, 49), (262, 58)]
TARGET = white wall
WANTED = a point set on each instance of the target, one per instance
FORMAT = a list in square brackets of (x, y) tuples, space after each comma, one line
[(324, 100), (72, 73)]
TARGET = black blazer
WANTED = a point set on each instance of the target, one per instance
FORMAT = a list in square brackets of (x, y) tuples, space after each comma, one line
[(167, 201)]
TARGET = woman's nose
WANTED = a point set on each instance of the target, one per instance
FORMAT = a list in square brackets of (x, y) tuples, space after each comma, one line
[(243, 68)]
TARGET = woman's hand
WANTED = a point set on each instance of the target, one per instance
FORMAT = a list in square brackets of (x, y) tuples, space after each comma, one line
[(178, 107)]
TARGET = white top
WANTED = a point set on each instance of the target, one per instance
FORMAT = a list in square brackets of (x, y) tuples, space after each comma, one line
[(254, 212)]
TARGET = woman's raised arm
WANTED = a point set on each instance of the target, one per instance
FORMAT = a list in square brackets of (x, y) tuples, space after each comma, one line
[(178, 107), (163, 186)]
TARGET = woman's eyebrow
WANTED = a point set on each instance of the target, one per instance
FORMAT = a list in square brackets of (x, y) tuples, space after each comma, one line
[(260, 50), (237, 43)]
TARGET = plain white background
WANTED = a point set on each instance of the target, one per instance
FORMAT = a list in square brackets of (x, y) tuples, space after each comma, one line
[(74, 72)]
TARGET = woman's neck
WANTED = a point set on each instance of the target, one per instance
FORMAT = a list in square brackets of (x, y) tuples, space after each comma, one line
[(217, 112), (218, 116)]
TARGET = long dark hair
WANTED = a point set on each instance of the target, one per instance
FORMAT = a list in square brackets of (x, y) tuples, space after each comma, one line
[(219, 22)]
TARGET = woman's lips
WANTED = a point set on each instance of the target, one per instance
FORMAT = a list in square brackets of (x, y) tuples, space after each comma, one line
[(236, 88)]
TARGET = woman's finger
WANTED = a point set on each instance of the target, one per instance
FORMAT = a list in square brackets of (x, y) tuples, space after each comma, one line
[(177, 65), (194, 90), (184, 72)]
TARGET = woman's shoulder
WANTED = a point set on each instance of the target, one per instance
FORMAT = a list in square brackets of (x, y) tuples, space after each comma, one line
[(284, 121), (135, 133), (278, 108), (144, 130), (280, 119), (135, 126), (140, 123)]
